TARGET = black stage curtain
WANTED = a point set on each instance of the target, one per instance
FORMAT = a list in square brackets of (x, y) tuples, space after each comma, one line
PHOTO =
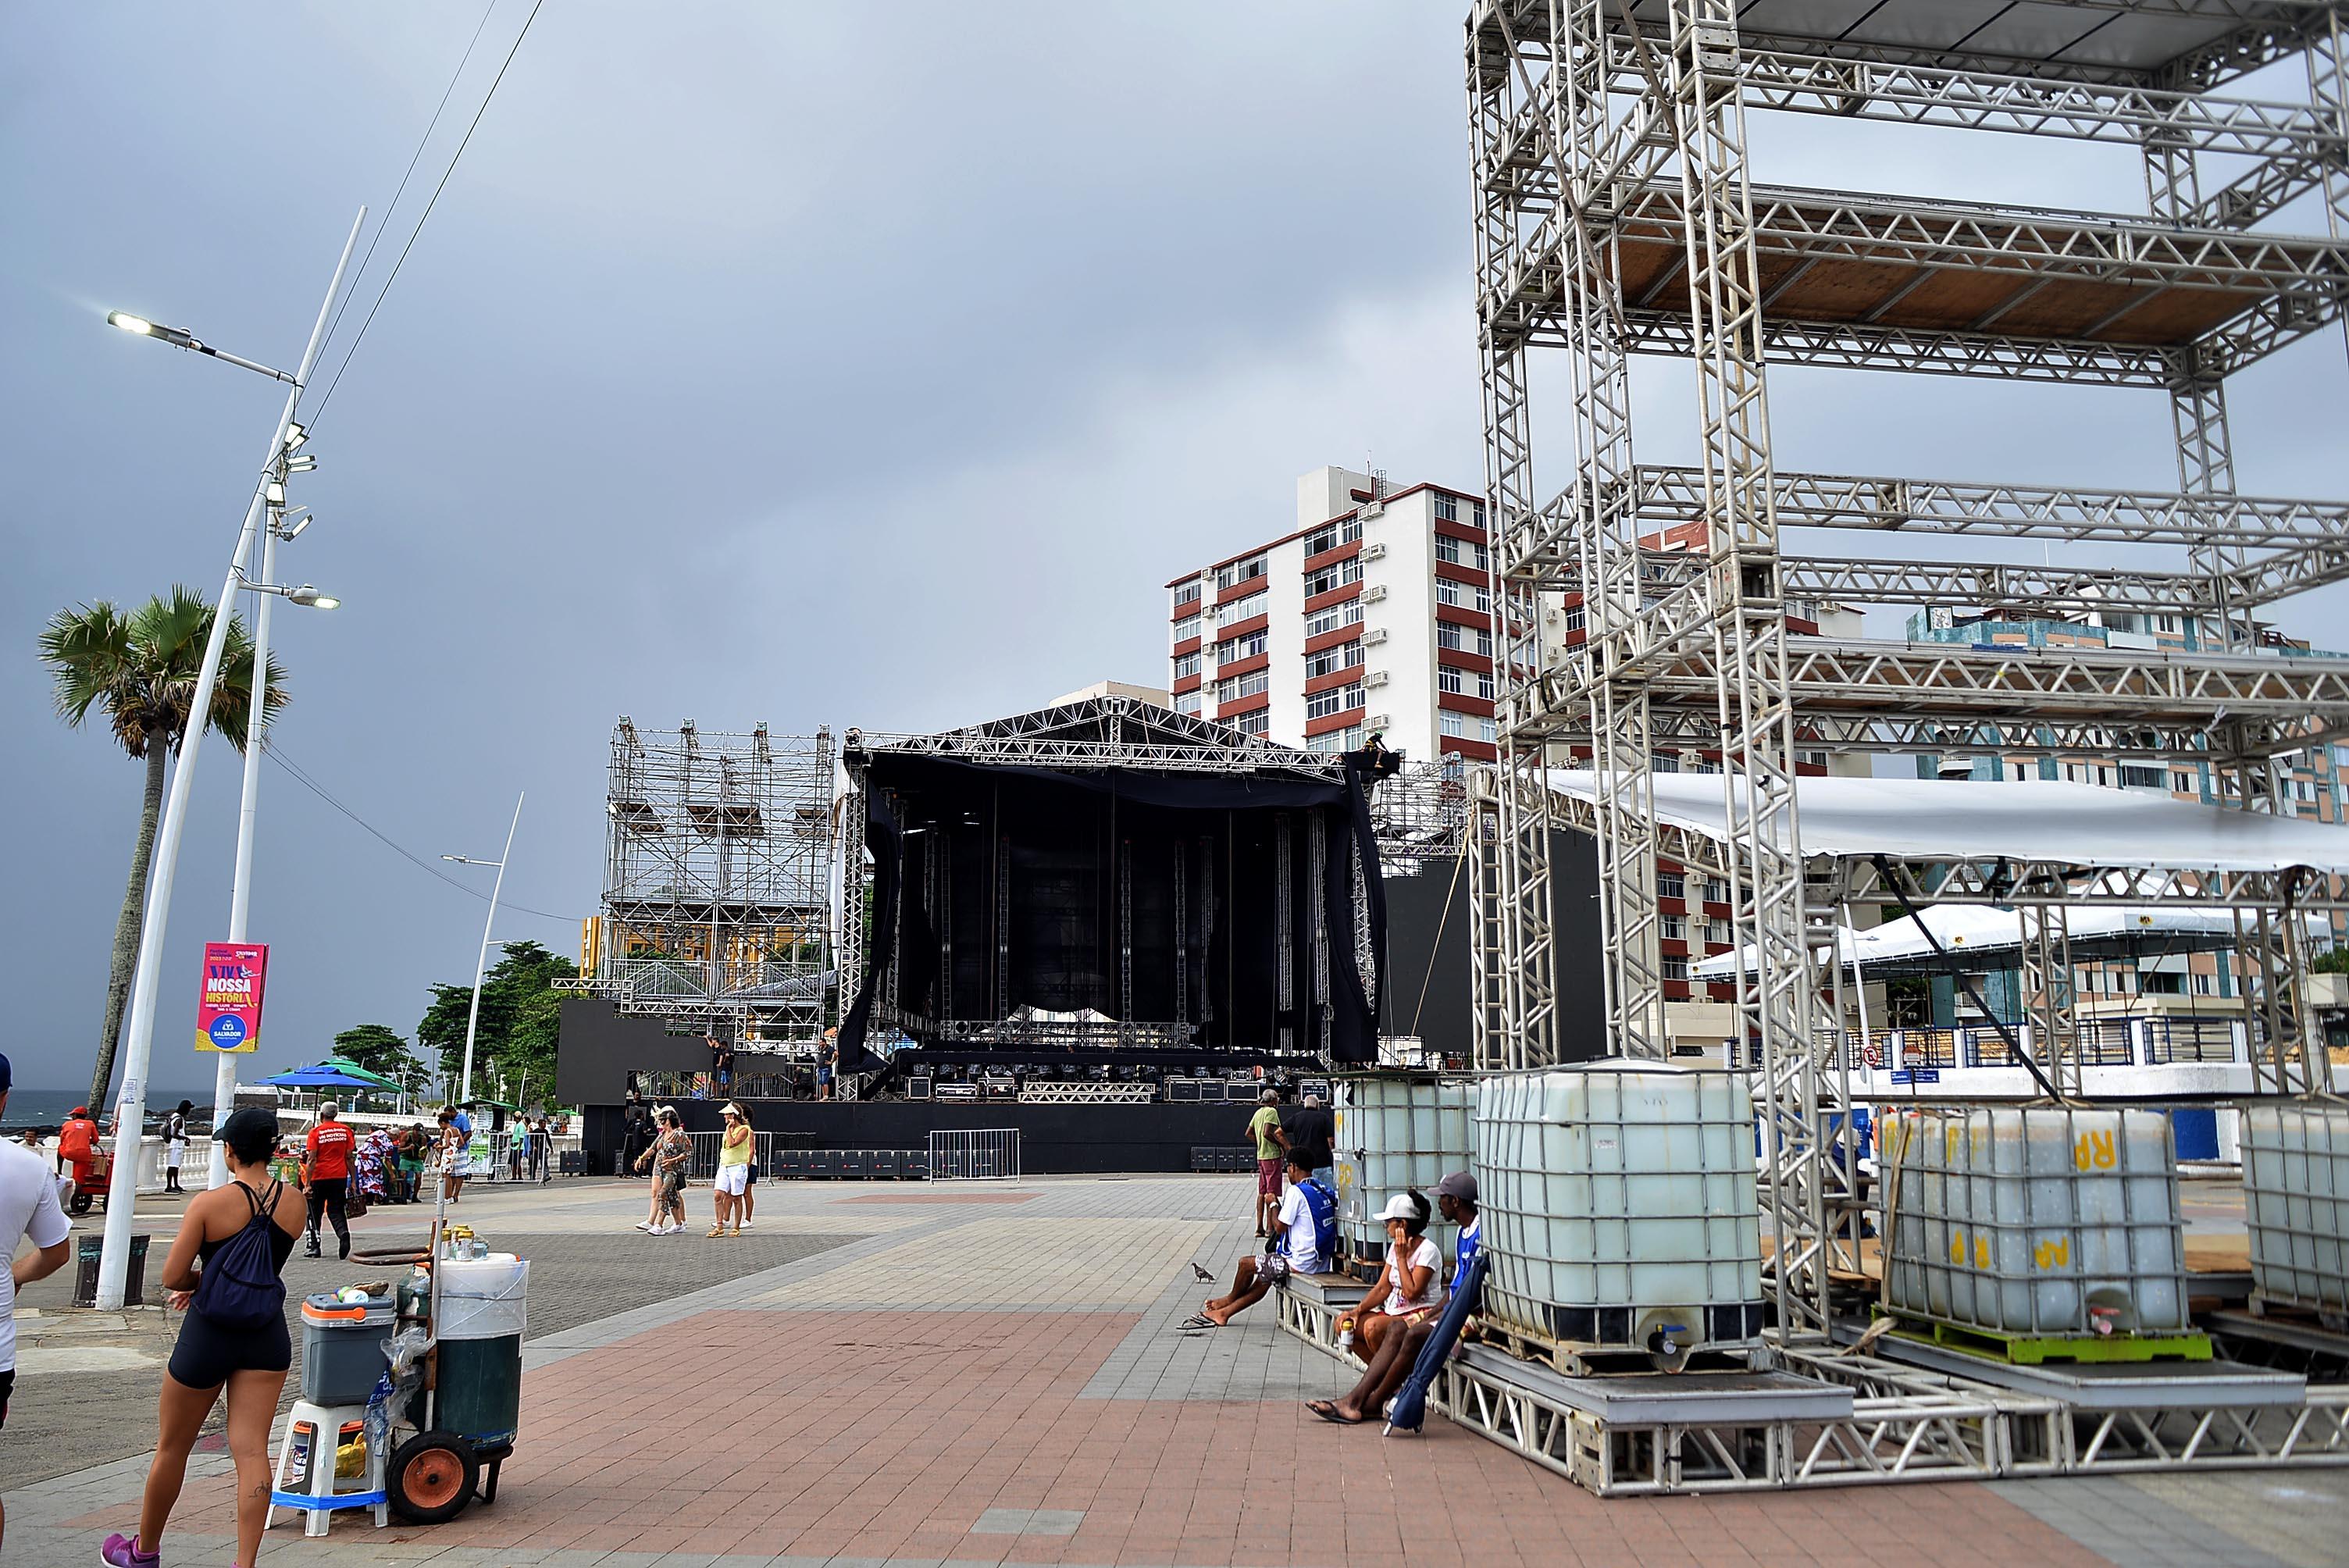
[(1057, 947)]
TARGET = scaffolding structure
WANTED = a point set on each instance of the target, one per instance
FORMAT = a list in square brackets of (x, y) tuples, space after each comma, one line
[(1615, 216), (718, 871)]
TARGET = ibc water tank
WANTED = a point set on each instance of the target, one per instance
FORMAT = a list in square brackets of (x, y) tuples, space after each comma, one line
[(1396, 1133), (2296, 1199), (2042, 1224), (1620, 1208)]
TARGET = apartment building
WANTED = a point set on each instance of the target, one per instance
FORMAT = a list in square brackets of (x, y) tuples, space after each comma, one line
[(2314, 783), (1374, 616)]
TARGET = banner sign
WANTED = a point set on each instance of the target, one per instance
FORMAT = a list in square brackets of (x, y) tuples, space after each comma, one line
[(228, 1013)]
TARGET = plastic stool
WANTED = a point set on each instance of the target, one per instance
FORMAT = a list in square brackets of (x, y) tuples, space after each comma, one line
[(317, 1498)]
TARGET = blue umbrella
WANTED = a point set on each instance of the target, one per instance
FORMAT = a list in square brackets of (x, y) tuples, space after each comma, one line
[(324, 1075), (1409, 1411)]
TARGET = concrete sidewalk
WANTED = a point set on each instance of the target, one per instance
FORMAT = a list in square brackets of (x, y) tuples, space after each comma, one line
[(992, 1374)]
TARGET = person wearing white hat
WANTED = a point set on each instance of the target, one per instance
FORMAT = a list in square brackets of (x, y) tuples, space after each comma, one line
[(1396, 1350), (1408, 1291)]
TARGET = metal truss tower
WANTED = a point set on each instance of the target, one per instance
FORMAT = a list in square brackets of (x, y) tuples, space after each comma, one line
[(1616, 215), (717, 882)]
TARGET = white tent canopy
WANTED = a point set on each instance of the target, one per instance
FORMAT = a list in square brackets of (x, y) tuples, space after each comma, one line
[(1979, 936), (2026, 819)]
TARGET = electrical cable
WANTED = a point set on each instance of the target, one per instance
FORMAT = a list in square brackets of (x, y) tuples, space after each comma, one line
[(422, 143), (275, 753), (421, 218)]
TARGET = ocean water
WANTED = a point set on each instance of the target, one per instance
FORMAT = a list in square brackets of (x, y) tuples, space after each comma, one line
[(47, 1107)]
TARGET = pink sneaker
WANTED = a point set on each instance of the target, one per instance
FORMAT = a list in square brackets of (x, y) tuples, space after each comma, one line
[(122, 1551)]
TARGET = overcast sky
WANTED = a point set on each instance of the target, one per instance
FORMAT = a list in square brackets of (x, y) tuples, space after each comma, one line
[(761, 364)]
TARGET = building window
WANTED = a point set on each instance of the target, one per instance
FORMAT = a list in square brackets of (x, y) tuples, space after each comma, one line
[(1188, 665), (1671, 884), (1337, 700), (1675, 928), (1715, 891), (1463, 552), (1448, 679), (1188, 702), (1330, 536), (1331, 617), (1447, 507), (1459, 595), (2185, 784), (1574, 618), (1238, 686), (1239, 609), (2205, 984), (1477, 513), (1347, 740), (1329, 661), (1247, 645), (1676, 966), (1488, 731), (2140, 777), (1257, 723), (1484, 688), (1464, 639), (1337, 576), (1186, 593), (1238, 572), (1449, 723), (1187, 628)]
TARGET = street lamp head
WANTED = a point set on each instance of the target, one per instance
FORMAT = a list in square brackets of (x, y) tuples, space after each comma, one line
[(296, 435), (129, 323), (310, 598)]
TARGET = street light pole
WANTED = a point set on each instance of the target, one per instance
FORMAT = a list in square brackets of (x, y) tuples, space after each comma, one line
[(131, 1109), (482, 965)]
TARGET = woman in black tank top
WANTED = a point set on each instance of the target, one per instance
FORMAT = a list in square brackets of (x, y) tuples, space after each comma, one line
[(249, 1365)]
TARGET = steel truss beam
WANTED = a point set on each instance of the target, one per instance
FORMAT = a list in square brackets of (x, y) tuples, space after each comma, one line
[(1686, 729)]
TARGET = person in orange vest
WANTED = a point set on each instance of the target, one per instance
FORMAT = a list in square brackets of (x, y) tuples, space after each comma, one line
[(78, 1147)]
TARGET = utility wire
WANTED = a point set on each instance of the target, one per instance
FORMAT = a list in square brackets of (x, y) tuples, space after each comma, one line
[(422, 143), (427, 213), (276, 753)]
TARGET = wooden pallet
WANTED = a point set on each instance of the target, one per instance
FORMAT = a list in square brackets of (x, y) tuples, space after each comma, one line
[(1574, 1359), (2030, 1350)]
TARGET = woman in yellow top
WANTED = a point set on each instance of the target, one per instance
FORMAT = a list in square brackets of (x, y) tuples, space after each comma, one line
[(734, 1152)]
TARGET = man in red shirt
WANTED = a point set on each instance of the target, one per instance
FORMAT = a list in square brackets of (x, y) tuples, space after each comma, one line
[(325, 1175), (78, 1147)]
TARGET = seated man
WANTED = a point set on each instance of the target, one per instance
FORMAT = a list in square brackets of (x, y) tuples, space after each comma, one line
[(1392, 1358), (1304, 1233)]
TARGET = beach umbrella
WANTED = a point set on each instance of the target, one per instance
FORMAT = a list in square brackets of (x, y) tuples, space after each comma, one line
[(330, 1074), (1409, 1410)]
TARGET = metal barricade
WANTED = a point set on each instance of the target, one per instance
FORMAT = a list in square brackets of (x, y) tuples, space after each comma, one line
[(974, 1154)]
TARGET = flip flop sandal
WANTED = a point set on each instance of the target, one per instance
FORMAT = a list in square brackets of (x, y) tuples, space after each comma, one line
[(1329, 1412), (1198, 1320)]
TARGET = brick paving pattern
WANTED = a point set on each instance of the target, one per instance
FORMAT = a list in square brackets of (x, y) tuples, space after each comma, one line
[(777, 1421)]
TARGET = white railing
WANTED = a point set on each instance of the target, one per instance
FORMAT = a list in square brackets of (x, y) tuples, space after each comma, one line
[(974, 1154)]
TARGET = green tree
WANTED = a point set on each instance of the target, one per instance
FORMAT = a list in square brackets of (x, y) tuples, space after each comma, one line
[(139, 670), (519, 1025), (380, 1049)]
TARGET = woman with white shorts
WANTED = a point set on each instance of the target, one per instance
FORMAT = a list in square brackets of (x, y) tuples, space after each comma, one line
[(734, 1152)]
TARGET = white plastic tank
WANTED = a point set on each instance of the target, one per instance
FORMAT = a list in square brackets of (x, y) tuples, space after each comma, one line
[(2038, 1223), (1394, 1133), (2296, 1199), (1621, 1208)]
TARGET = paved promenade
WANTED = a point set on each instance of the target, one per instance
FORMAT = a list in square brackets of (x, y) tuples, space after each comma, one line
[(991, 1374)]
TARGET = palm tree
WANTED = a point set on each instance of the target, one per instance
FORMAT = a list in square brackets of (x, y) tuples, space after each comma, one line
[(140, 670)]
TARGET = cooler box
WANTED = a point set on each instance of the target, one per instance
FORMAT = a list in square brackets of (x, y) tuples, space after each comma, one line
[(342, 1347)]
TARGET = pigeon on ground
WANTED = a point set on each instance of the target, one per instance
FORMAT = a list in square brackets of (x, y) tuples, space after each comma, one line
[(1203, 1274)]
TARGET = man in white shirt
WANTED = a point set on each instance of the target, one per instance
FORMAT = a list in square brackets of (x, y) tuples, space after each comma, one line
[(1304, 1234), (29, 1211)]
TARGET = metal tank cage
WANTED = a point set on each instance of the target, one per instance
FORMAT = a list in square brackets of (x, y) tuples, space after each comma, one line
[(1615, 215)]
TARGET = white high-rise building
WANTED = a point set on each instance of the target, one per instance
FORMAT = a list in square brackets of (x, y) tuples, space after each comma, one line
[(1374, 616)]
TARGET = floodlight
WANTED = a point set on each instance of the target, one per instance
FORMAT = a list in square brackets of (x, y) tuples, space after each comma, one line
[(310, 598), (129, 323)]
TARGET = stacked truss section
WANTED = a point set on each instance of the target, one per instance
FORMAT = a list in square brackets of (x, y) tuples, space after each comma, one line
[(1617, 215), (717, 872)]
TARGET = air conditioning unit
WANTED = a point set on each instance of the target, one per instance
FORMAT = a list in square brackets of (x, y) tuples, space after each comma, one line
[(1375, 636), (1378, 721), (1374, 594), (1375, 553), (1375, 678)]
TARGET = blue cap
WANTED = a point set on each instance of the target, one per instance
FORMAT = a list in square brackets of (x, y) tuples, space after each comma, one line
[(6, 1079)]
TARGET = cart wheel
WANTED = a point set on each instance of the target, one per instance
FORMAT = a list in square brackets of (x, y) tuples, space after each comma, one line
[(81, 1201), (430, 1477)]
